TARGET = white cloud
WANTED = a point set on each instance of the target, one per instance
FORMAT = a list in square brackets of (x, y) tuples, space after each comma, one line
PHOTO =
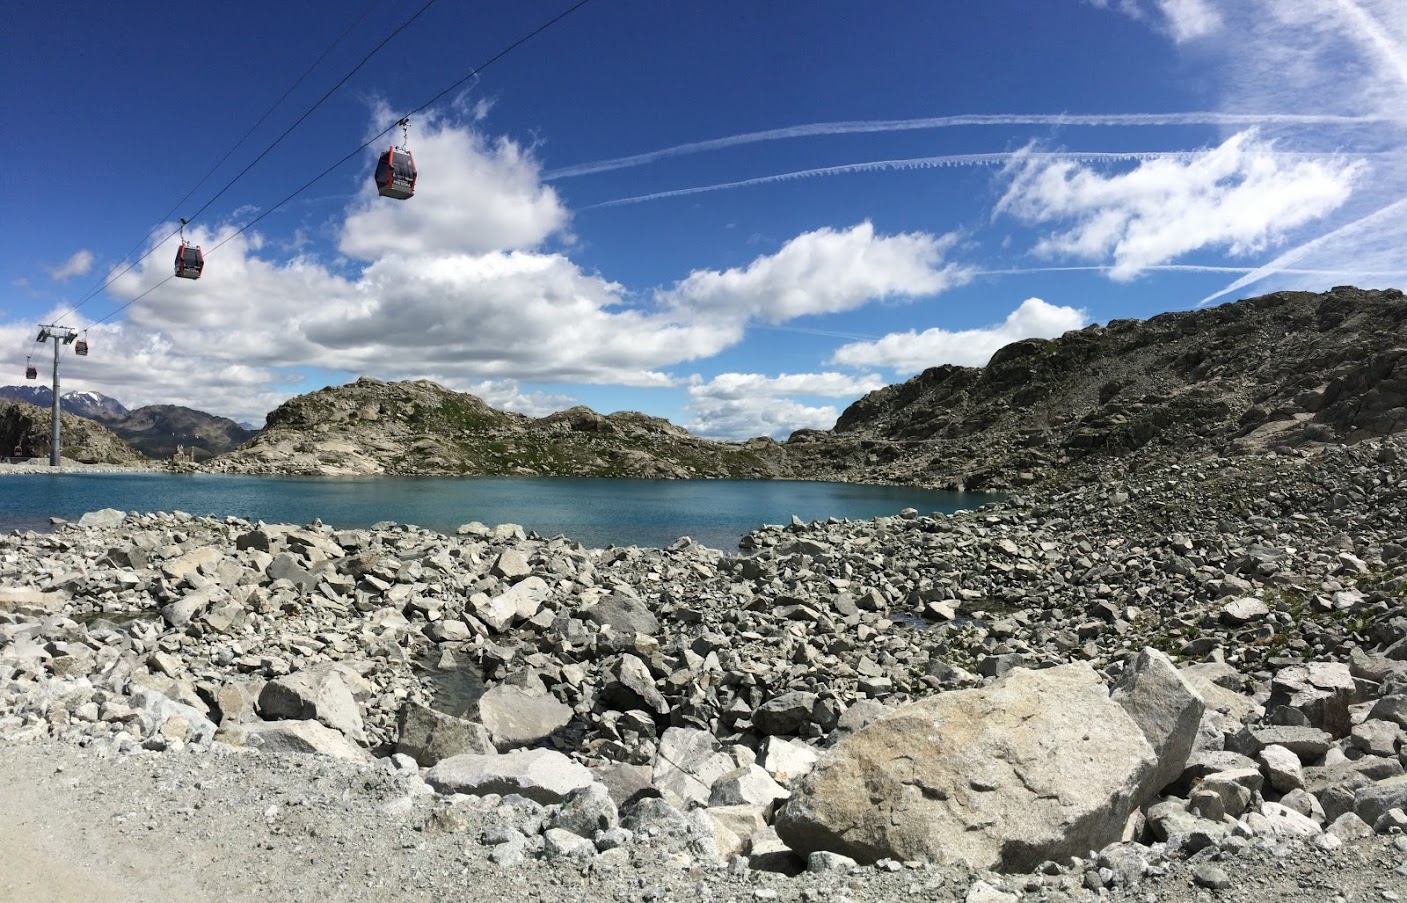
[(140, 367), (1184, 20), (912, 351), (503, 316), (1190, 19), (825, 271), (472, 195), (1320, 56), (455, 285), (77, 265), (508, 395), (517, 314), (1239, 196), (744, 405)]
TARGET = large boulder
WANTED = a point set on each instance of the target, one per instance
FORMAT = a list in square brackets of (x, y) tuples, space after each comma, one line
[(318, 695), (624, 613), (514, 717), (688, 762), (1165, 707), (517, 603), (28, 600), (632, 686), (786, 713), (429, 736), (542, 775), (1040, 765), (293, 737), (1320, 691)]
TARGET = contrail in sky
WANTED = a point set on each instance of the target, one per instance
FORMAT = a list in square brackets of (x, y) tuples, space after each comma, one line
[(972, 119), (914, 163), (1294, 255), (1376, 37)]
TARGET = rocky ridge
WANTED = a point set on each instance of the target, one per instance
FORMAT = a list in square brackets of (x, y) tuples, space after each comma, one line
[(159, 430), (27, 427), (419, 427), (154, 431), (92, 405), (1236, 626), (1279, 371)]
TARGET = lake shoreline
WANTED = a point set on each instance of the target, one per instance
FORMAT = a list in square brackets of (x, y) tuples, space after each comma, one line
[(597, 511)]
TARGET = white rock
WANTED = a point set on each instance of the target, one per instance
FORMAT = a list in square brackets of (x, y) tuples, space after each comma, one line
[(787, 760), (1286, 822), (543, 775), (1282, 767), (293, 737)]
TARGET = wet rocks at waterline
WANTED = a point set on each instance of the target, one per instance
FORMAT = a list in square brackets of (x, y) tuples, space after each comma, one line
[(1089, 687)]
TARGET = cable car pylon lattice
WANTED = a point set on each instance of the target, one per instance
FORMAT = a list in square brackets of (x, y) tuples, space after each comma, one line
[(395, 169), (189, 260)]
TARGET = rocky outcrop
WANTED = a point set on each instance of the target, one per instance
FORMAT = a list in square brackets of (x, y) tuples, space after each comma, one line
[(1292, 370), (154, 431), (418, 427), (27, 427)]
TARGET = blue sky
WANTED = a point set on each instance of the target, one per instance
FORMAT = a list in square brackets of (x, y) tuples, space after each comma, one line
[(737, 215)]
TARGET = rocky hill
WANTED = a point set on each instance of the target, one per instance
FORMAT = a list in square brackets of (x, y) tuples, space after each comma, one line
[(1282, 371), (158, 429), (155, 430), (419, 427), (26, 427)]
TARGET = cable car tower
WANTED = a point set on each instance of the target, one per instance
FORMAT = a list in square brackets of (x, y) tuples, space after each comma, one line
[(60, 335)]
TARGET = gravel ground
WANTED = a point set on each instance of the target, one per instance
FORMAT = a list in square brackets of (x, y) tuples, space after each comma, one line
[(68, 465), (235, 826)]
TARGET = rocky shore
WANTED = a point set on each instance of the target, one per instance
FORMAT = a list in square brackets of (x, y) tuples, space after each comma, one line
[(1180, 680)]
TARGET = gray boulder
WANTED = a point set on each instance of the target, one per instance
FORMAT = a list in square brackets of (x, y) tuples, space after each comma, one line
[(1374, 801), (1165, 707), (320, 695), (517, 603), (511, 564), (1321, 691), (623, 613), (293, 737), (103, 517), (632, 686), (1244, 611), (429, 736), (688, 762), (587, 812), (515, 717), (542, 775), (1038, 766), (750, 785), (784, 714)]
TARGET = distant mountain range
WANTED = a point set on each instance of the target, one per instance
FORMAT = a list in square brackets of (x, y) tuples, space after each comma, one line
[(155, 430), (90, 405)]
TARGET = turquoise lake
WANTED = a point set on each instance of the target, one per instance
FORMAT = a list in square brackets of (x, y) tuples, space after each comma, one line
[(595, 512)]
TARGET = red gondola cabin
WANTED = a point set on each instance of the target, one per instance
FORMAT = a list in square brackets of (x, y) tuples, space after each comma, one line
[(31, 372), (395, 174), (189, 261), (80, 347)]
